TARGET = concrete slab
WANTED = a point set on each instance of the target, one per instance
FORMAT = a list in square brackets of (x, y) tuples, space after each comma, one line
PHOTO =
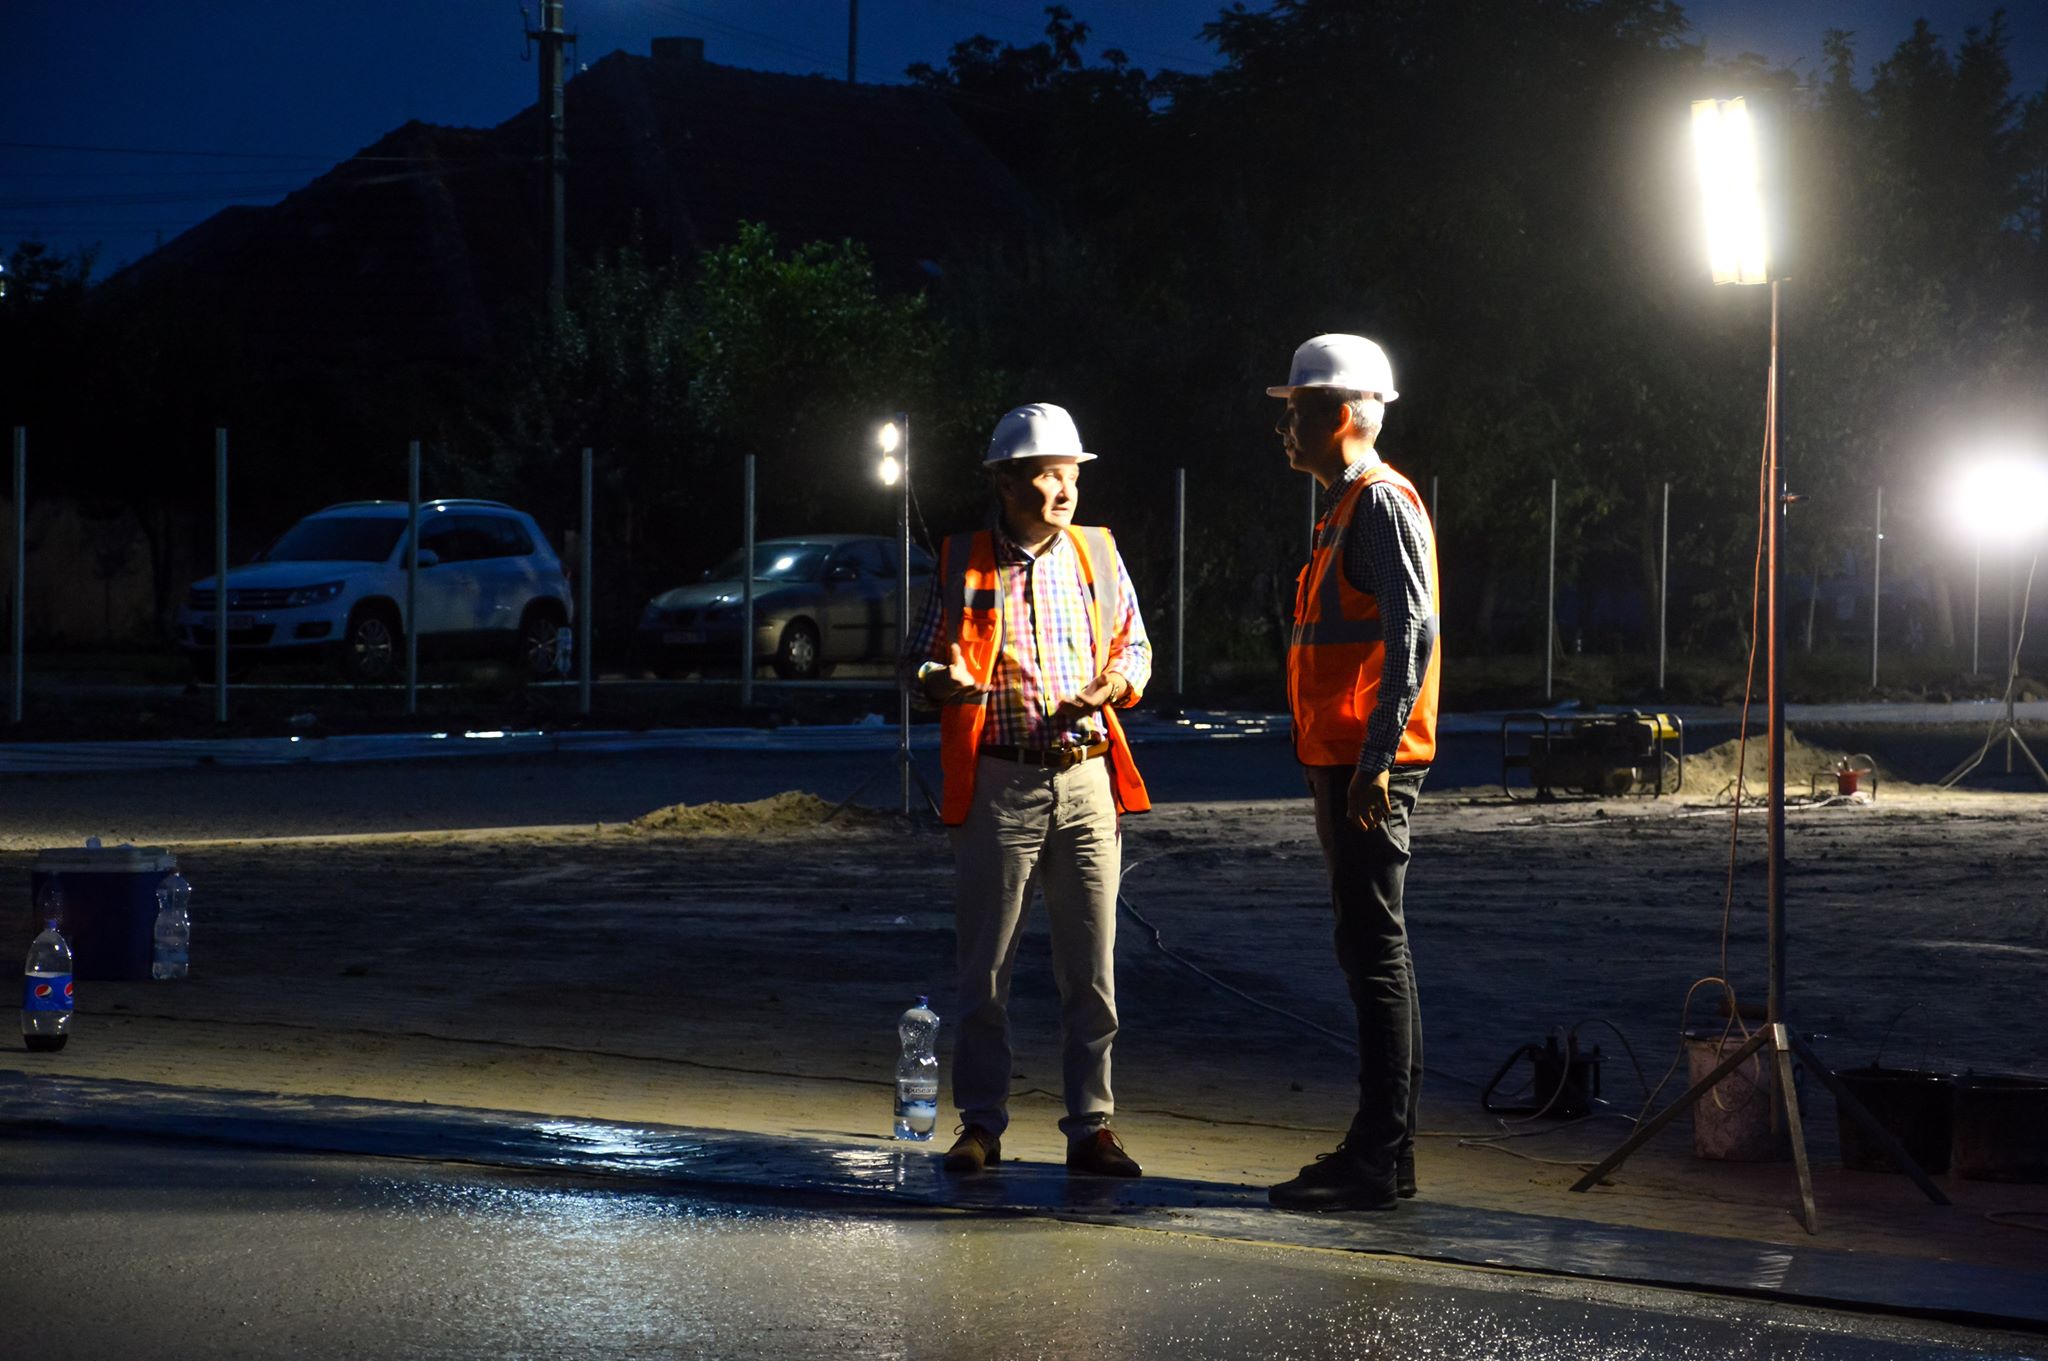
[(909, 1175)]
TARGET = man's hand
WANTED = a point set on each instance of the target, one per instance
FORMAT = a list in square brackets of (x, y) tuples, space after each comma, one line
[(1369, 803), (1093, 697), (956, 682)]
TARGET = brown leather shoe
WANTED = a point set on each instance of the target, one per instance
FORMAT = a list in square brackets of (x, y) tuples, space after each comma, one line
[(973, 1151), (1101, 1155)]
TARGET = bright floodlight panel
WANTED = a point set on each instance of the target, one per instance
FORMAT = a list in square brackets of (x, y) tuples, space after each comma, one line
[(1724, 145), (2001, 499)]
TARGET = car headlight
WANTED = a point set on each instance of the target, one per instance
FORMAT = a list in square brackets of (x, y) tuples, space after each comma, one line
[(314, 595)]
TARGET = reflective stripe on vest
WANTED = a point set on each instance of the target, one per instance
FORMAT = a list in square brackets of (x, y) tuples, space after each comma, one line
[(974, 619), (1337, 651)]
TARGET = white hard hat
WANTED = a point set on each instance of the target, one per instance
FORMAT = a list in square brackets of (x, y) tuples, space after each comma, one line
[(1352, 363), (1037, 430)]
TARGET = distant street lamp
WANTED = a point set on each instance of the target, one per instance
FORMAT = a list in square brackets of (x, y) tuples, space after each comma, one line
[(1738, 252), (2002, 500)]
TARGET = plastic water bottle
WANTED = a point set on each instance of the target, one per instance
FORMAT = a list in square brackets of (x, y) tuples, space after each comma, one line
[(50, 900), (46, 992), (173, 957), (917, 1073)]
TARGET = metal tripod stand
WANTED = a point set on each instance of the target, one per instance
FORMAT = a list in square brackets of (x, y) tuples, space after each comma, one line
[(2004, 725), (1776, 1033)]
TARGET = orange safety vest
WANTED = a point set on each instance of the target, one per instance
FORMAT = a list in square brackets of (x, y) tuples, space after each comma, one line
[(973, 618), (1337, 652)]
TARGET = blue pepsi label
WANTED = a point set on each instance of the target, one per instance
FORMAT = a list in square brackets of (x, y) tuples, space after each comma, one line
[(46, 992)]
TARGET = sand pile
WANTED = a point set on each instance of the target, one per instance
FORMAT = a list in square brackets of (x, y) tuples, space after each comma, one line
[(1711, 773), (778, 814)]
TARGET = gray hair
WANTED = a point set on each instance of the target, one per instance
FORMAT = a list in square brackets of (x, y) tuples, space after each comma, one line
[(1367, 413)]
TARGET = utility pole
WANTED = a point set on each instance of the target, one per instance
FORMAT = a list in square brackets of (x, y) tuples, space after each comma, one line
[(852, 40), (553, 40)]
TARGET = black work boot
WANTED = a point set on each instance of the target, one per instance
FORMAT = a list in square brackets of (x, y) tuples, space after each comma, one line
[(1339, 1180), (1404, 1174)]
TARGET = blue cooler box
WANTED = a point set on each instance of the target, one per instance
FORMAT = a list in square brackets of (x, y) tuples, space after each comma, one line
[(109, 905)]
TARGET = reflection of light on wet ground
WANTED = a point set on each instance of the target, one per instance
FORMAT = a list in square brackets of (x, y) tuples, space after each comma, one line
[(374, 1258), (615, 1146), (871, 1166)]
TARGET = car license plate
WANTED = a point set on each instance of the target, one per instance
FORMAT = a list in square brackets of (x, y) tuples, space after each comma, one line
[(682, 637)]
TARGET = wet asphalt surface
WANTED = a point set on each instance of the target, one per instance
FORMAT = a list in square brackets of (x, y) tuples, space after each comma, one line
[(141, 1249)]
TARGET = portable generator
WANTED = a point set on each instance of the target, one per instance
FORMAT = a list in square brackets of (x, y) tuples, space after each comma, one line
[(1599, 755)]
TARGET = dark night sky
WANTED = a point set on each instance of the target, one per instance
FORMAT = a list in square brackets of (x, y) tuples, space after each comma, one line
[(280, 89)]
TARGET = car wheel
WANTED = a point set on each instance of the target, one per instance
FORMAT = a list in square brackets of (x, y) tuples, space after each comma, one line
[(372, 646), (796, 656), (539, 636)]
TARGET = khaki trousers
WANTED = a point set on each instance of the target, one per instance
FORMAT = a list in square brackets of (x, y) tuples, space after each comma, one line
[(1056, 831)]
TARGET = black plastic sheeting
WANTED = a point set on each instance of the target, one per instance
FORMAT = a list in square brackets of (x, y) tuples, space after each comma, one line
[(781, 1167)]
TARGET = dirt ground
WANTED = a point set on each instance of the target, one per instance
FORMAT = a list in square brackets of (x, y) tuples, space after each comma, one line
[(742, 968)]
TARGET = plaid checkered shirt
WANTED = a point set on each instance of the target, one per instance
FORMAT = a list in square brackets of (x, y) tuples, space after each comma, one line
[(1048, 651)]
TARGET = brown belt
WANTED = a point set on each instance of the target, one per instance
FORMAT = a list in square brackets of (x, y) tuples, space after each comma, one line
[(1051, 758)]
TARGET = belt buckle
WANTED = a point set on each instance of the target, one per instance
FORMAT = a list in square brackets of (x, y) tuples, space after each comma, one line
[(1069, 756)]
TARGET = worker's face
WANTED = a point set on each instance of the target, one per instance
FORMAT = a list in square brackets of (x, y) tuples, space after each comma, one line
[(1041, 493), (1311, 429)]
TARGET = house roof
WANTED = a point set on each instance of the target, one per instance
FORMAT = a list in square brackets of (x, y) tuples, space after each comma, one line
[(419, 247)]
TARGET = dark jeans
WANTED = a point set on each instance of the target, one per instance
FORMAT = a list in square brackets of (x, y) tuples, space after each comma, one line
[(1367, 872)]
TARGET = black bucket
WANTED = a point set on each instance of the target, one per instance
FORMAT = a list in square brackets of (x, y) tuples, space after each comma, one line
[(2001, 1128), (1917, 1109)]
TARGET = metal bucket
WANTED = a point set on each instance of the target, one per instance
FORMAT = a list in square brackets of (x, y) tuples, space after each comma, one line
[(1913, 1107), (2001, 1128), (1740, 1119)]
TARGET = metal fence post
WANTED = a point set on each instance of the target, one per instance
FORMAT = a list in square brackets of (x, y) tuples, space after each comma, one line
[(747, 590), (1663, 587), (1550, 608), (1180, 585), (412, 578), (1976, 606), (1876, 583), (583, 592), (17, 624), (220, 575), (903, 624)]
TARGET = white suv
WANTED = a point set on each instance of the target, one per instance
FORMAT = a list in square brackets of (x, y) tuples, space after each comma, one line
[(334, 585)]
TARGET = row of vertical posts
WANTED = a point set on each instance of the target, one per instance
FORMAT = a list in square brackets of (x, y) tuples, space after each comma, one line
[(583, 603)]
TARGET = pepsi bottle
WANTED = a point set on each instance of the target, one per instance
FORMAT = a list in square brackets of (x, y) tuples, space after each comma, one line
[(917, 1073), (46, 992)]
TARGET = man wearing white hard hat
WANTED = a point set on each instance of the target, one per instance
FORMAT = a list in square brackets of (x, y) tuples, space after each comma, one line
[(1030, 642), (1362, 671)]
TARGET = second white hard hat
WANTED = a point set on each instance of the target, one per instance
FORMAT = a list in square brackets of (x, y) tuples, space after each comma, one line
[(1352, 363), (1036, 430)]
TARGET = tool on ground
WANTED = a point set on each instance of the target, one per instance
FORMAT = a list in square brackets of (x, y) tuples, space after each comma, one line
[(1595, 754)]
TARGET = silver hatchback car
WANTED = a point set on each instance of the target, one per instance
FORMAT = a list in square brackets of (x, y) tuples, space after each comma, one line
[(334, 586)]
